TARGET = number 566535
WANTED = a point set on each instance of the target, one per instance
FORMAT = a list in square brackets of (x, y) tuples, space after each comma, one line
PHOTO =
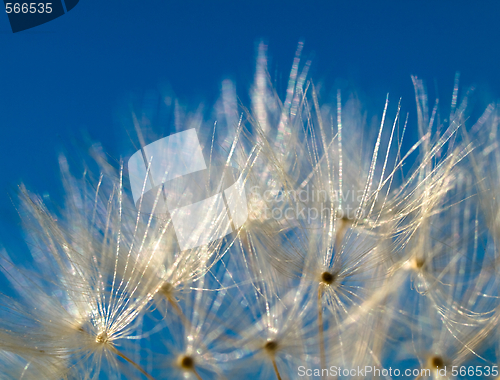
[(28, 7)]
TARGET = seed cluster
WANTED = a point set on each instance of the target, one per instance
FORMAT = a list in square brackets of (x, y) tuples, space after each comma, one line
[(320, 248)]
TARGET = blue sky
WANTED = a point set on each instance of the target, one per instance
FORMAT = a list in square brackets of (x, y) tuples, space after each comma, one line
[(74, 74)]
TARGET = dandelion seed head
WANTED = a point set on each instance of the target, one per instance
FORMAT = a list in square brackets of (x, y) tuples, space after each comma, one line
[(186, 362), (416, 263), (102, 337), (271, 347), (436, 361), (327, 278), (166, 289)]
